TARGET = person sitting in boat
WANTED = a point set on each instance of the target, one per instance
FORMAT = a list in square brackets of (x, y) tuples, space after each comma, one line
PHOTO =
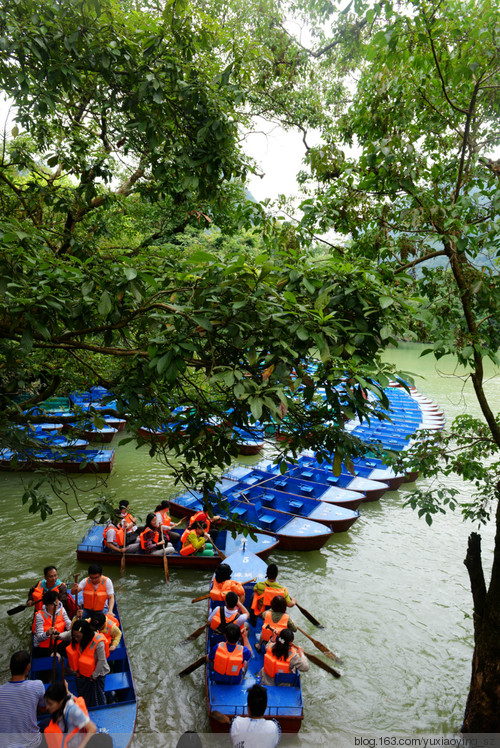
[(86, 655), (275, 620), (263, 592), (230, 659), (282, 656), (162, 512), (50, 581), (108, 628), (98, 591), (69, 717), (255, 730), (204, 516), (233, 611), (222, 584), (115, 540), (48, 623), (128, 521), (150, 540), (194, 540)]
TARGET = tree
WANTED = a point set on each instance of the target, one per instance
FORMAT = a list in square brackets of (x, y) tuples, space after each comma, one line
[(423, 184)]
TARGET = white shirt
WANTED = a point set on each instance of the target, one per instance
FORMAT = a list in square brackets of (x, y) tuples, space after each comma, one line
[(110, 590), (228, 613), (255, 733)]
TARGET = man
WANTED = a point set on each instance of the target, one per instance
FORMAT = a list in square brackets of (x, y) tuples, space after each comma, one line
[(114, 537), (233, 611), (97, 591), (107, 627), (19, 701), (263, 592), (255, 731), (128, 521), (230, 659), (50, 582)]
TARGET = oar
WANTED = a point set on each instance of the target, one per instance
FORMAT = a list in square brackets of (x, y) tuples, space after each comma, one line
[(195, 634), (322, 665), (17, 609), (194, 666), (221, 555), (309, 616), (122, 562), (165, 562), (53, 644), (322, 647), (205, 597)]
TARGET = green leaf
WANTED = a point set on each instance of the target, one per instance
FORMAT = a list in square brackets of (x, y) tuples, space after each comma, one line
[(105, 304)]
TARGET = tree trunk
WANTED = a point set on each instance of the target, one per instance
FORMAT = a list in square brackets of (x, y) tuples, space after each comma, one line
[(482, 712)]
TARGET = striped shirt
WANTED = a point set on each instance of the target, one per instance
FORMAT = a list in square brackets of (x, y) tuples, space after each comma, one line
[(19, 701)]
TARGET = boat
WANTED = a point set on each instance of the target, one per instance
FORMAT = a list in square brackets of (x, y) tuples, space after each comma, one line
[(294, 533), (117, 718), (74, 461), (249, 441), (91, 549), (309, 468), (92, 433), (284, 704)]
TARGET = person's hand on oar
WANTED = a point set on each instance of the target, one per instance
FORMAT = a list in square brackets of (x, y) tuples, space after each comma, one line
[(322, 647)]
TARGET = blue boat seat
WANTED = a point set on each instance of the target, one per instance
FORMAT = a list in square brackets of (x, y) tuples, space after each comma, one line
[(307, 489), (289, 679), (306, 474), (117, 654), (332, 479), (267, 520), (239, 511), (296, 506), (117, 681), (281, 483), (268, 498)]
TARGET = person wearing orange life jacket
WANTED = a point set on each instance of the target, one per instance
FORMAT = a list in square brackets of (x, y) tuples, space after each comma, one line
[(233, 611), (222, 584), (150, 538), (194, 540), (50, 581), (230, 659), (114, 537), (70, 725), (282, 656), (107, 627), (164, 520), (263, 593), (275, 620), (98, 591), (46, 626), (87, 657), (204, 516)]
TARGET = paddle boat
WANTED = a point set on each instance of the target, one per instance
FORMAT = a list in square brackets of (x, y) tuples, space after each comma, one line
[(91, 549), (284, 703), (309, 468), (117, 718), (91, 432), (294, 533), (74, 461)]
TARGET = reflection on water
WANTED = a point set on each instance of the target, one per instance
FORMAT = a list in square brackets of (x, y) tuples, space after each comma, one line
[(392, 593)]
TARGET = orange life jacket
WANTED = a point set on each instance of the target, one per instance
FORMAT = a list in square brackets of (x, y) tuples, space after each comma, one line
[(144, 535), (165, 517), (55, 737), (47, 624), (273, 665), (220, 589), (120, 535), (38, 593), (83, 662), (127, 518), (226, 662), (187, 547), (268, 621), (216, 622), (95, 599), (200, 517), (259, 602)]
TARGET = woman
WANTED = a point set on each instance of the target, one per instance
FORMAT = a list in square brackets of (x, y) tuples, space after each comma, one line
[(164, 520), (87, 657), (150, 537), (70, 718), (275, 620), (49, 623), (282, 657), (222, 584)]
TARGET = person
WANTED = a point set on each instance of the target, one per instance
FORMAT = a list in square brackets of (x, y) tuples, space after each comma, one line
[(282, 656), (69, 716), (194, 540), (128, 522), (164, 521), (107, 627), (20, 699), (255, 731), (204, 516), (50, 581), (222, 584), (233, 611), (87, 658), (114, 537), (230, 659), (263, 592), (275, 620), (47, 626), (150, 538), (98, 591)]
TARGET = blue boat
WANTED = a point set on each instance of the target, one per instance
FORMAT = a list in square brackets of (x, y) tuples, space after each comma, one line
[(117, 717), (250, 441), (309, 468), (294, 533), (73, 461), (284, 703)]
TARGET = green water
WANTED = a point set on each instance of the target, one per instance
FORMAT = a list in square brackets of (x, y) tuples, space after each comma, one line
[(392, 593)]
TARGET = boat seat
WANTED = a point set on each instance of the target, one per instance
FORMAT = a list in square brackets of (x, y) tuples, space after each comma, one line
[(239, 511), (307, 489), (281, 483), (306, 474), (290, 679), (117, 681), (296, 506), (267, 520), (117, 654), (268, 498), (332, 479)]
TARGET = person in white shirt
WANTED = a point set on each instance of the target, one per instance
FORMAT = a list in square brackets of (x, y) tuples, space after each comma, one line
[(255, 731), (20, 699)]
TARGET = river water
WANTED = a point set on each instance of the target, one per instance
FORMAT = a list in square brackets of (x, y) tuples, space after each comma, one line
[(392, 593)]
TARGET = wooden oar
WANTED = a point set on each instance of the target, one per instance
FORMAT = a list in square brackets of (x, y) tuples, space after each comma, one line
[(194, 666), (322, 647), (205, 597), (53, 643), (165, 562), (221, 555), (322, 665), (195, 634), (17, 609), (309, 616), (122, 562)]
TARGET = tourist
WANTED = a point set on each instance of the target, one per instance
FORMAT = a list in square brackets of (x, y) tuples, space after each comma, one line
[(47, 626), (194, 540), (164, 520), (87, 658), (230, 659), (98, 591), (69, 716), (150, 541), (233, 611), (115, 539), (282, 656), (108, 628), (50, 581), (255, 731), (222, 584), (128, 522), (275, 620), (266, 590), (20, 699)]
